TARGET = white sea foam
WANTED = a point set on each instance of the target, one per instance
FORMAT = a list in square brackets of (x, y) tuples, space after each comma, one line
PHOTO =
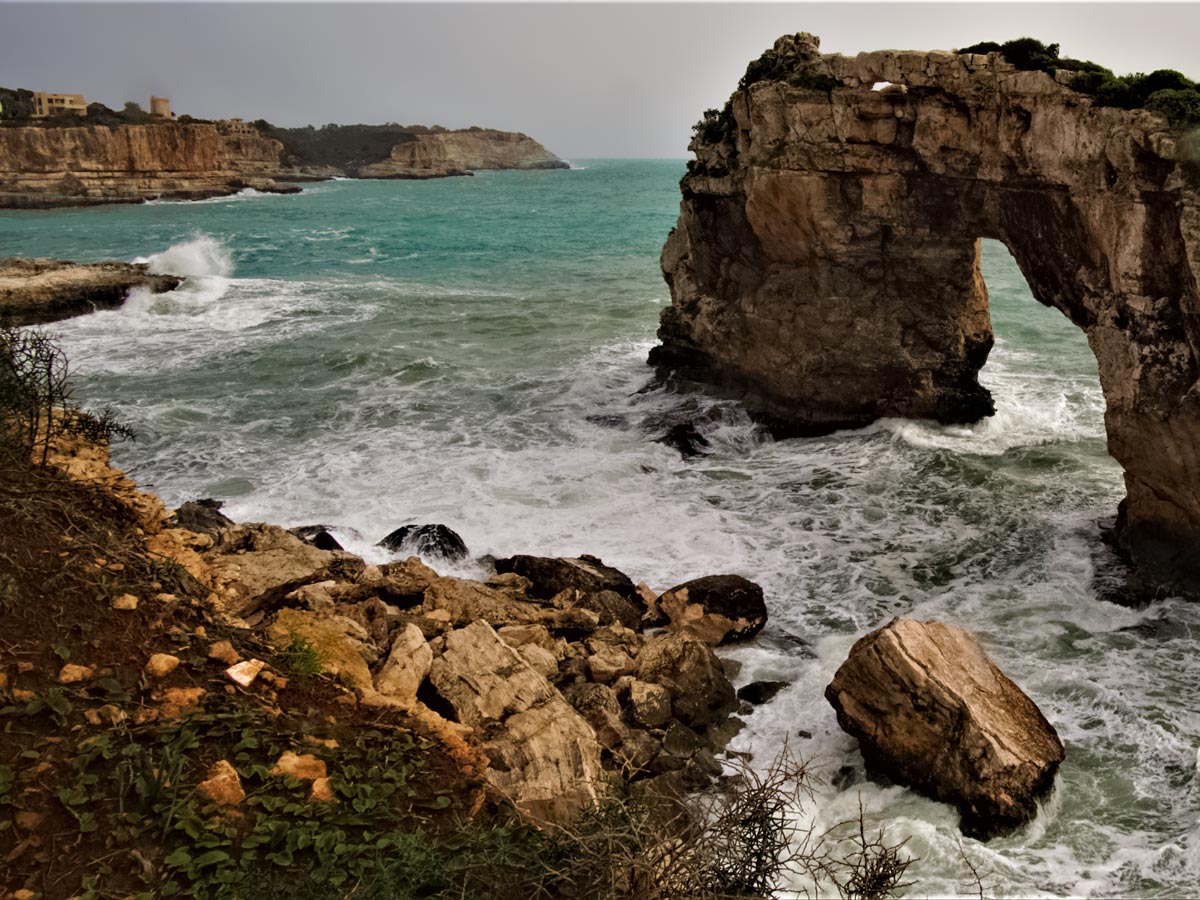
[(203, 255)]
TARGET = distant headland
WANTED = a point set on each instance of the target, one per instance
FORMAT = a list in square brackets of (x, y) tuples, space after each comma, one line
[(59, 150)]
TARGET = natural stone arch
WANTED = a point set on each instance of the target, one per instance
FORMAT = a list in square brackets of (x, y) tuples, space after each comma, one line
[(825, 267)]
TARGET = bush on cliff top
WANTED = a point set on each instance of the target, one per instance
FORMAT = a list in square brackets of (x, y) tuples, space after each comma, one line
[(1164, 91)]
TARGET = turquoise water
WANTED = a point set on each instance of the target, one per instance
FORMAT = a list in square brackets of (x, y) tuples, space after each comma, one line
[(472, 351)]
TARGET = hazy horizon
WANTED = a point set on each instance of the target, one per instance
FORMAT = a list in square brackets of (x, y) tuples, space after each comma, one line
[(587, 80)]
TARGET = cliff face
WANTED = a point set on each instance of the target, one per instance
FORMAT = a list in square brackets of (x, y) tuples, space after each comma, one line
[(825, 265), (459, 152), (42, 167)]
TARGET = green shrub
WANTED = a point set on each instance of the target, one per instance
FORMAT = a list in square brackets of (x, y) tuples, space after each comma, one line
[(37, 402), (716, 126), (772, 67), (1181, 107), (1164, 91)]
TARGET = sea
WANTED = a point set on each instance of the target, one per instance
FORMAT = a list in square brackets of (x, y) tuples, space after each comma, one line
[(472, 352)]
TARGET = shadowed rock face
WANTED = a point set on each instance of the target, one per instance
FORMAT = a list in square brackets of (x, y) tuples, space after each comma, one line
[(825, 267)]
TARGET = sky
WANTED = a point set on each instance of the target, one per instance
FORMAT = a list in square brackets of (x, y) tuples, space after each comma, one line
[(587, 80)]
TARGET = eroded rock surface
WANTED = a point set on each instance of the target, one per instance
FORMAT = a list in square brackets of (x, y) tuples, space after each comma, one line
[(825, 266), (36, 291), (931, 711)]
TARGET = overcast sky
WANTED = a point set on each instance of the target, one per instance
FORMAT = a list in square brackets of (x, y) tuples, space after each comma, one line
[(585, 79)]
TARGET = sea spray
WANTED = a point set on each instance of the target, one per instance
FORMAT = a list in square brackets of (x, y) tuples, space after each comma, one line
[(204, 255)]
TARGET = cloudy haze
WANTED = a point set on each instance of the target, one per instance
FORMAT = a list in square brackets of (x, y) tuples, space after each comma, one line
[(586, 80)]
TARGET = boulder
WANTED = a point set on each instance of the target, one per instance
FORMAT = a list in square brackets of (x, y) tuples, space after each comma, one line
[(202, 516), (686, 438), (317, 535), (649, 704), (255, 566), (336, 639), (407, 665), (720, 609), (757, 693), (931, 711), (549, 576), (599, 707), (611, 607), (426, 541), (542, 753), (686, 666)]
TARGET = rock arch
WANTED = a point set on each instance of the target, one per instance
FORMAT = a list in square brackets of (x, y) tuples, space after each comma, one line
[(825, 266)]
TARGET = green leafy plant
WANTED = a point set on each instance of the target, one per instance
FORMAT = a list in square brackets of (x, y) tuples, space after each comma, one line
[(301, 657)]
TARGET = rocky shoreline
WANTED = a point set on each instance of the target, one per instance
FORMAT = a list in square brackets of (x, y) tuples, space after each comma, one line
[(38, 291), (560, 674)]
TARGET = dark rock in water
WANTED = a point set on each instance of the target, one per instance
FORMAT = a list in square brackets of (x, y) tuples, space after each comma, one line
[(759, 692), (612, 608), (685, 438), (932, 712), (549, 576), (318, 536), (202, 516), (720, 609), (425, 541), (608, 420)]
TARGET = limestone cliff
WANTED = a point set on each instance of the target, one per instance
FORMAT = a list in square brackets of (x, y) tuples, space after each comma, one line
[(459, 152), (89, 164), (825, 266)]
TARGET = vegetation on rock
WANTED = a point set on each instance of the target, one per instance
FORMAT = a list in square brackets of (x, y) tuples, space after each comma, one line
[(1164, 91)]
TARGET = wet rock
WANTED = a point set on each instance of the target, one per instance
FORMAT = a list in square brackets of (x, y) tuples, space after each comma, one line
[(931, 711), (759, 692), (318, 536), (612, 609), (685, 438), (609, 664), (686, 666), (599, 707), (202, 516), (720, 609), (549, 576), (426, 541), (649, 704)]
